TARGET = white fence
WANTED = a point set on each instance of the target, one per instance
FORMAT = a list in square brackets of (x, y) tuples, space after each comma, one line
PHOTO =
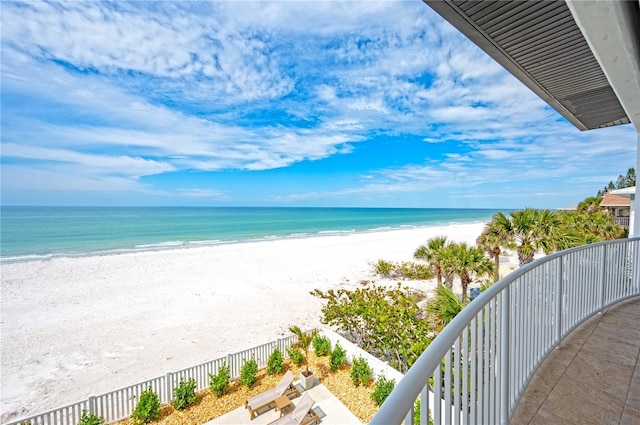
[(483, 360), (119, 404), (378, 366)]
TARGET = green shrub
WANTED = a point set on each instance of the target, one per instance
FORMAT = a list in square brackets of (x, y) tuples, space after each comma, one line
[(384, 268), (219, 383), (148, 407), (184, 394), (404, 270), (296, 356), (338, 357), (415, 271), (274, 363), (90, 419), (321, 345), (382, 389), (360, 372), (248, 372)]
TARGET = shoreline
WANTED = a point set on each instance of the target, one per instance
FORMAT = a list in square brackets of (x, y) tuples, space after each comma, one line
[(76, 326), (193, 244)]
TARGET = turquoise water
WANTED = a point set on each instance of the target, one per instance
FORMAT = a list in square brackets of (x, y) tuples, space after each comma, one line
[(34, 232)]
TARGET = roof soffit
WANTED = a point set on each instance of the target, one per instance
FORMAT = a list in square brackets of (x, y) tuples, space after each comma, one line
[(540, 43)]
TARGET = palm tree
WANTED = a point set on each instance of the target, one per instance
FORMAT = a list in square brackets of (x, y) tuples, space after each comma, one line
[(531, 230), (495, 236), (431, 252), (466, 262), (580, 228), (304, 341), (590, 204), (443, 307)]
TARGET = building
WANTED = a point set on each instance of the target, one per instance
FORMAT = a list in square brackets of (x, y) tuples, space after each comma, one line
[(618, 206), (629, 193)]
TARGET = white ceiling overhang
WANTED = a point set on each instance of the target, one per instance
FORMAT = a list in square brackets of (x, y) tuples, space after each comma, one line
[(582, 58)]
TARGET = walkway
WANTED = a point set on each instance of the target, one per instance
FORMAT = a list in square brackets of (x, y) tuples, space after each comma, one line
[(593, 378), (330, 410)]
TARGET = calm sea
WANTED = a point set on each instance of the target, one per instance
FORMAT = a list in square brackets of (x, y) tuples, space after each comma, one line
[(41, 232)]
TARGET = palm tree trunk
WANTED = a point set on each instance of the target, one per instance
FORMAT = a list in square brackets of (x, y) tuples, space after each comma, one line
[(439, 275), (464, 282), (496, 264), (524, 258)]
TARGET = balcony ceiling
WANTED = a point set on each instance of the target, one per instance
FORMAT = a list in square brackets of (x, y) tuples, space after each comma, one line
[(542, 44)]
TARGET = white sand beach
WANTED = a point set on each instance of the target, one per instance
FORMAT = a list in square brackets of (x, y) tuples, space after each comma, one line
[(74, 327)]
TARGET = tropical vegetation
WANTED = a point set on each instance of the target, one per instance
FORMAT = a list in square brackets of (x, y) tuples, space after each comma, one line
[(219, 383), (432, 252), (89, 418), (360, 371), (386, 322), (389, 322), (443, 307), (404, 270), (304, 341), (527, 231), (248, 372), (467, 263), (382, 389), (275, 362), (148, 407), (627, 180), (495, 240), (184, 395)]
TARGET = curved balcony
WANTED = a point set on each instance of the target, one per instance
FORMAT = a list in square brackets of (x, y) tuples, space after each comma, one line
[(477, 370)]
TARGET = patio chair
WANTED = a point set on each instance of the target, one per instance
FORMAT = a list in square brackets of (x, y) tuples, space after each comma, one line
[(264, 399), (301, 415)]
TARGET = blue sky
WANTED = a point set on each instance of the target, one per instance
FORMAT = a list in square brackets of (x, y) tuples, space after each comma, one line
[(278, 104)]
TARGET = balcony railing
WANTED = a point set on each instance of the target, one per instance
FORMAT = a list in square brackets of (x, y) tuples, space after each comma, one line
[(622, 221), (475, 371)]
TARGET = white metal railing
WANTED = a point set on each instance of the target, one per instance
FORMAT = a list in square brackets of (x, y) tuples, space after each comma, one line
[(482, 361), (119, 404), (622, 221)]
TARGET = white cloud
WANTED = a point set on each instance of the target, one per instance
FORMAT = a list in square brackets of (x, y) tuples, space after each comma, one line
[(118, 91)]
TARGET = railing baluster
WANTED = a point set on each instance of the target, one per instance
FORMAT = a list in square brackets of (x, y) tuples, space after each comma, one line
[(474, 369), (437, 395), (559, 298), (487, 371), (447, 387), (456, 382), (425, 406), (465, 377), (505, 321)]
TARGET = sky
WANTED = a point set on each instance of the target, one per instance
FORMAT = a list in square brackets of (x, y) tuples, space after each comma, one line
[(291, 103)]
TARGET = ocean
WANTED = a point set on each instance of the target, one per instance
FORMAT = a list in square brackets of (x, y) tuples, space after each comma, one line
[(44, 232)]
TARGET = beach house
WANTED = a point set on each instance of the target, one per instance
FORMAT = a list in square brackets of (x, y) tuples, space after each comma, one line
[(619, 207), (629, 194), (556, 341)]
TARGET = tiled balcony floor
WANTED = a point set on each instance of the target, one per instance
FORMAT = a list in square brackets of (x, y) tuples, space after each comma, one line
[(593, 378)]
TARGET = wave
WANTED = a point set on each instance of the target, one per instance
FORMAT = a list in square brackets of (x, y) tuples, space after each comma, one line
[(30, 257), (336, 232), (160, 244)]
